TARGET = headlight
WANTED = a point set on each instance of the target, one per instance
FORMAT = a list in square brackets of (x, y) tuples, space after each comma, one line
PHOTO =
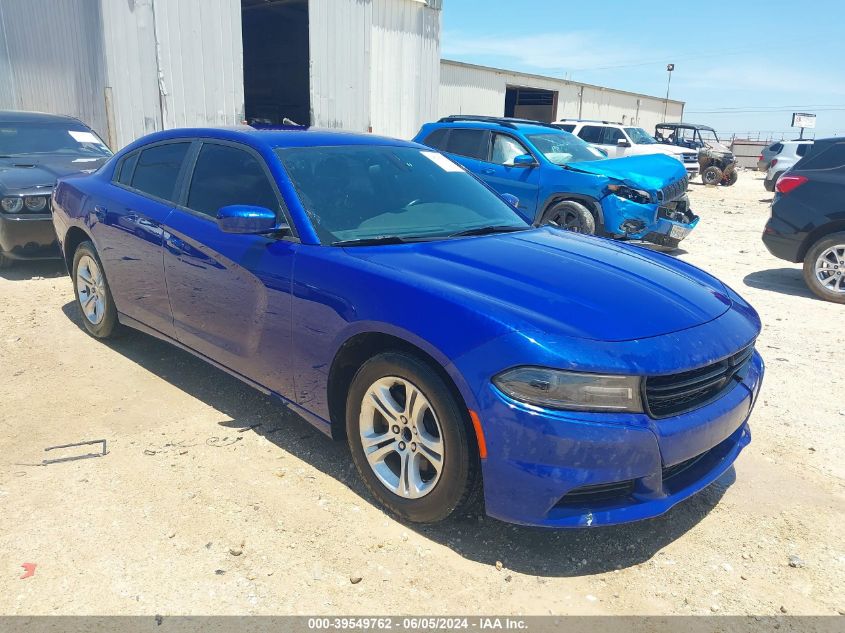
[(12, 205), (558, 389), (35, 203), (637, 195)]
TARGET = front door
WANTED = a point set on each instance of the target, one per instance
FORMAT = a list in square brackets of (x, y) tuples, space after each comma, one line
[(230, 293), (501, 174)]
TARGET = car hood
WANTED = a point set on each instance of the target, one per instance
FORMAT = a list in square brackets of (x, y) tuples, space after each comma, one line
[(669, 150), (651, 171), (559, 283), (24, 172)]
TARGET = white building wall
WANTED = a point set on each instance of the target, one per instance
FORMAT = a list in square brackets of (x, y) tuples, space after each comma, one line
[(51, 59), (470, 89), (171, 63)]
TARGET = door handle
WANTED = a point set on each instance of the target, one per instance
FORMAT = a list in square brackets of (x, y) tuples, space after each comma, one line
[(100, 211), (488, 171)]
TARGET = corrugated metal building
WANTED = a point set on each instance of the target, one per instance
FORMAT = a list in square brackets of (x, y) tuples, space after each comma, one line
[(130, 67), (471, 89)]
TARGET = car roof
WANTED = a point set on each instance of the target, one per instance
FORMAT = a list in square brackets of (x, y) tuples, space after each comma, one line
[(595, 121), (696, 126), (500, 124), (22, 116), (277, 137)]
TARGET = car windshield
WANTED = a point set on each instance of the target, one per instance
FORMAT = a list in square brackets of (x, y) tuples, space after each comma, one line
[(708, 136), (50, 138), (355, 192), (562, 148), (639, 136)]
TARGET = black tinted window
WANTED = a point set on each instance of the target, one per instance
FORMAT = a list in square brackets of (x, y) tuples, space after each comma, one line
[(612, 135), (565, 126), (158, 169), (126, 168), (437, 138), (828, 156), (591, 133), (471, 143), (801, 150), (227, 175), (776, 148)]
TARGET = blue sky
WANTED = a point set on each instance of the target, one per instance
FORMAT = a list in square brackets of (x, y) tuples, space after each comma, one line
[(746, 67)]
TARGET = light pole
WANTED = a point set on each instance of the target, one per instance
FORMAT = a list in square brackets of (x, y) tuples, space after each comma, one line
[(669, 69)]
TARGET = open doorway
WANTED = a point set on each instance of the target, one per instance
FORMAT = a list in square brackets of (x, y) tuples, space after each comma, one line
[(276, 61), (531, 103)]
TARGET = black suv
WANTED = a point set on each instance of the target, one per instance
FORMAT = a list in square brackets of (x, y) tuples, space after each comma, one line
[(808, 218)]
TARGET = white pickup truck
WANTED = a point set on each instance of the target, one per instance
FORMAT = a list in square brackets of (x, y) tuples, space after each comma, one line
[(620, 140)]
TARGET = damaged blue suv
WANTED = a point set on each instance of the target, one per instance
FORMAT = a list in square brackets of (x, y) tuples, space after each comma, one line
[(560, 179)]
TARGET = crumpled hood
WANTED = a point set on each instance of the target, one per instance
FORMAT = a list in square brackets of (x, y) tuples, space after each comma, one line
[(559, 283), (650, 172), (25, 172)]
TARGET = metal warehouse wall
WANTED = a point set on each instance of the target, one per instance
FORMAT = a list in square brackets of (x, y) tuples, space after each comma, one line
[(375, 64), (51, 59), (172, 63), (470, 89)]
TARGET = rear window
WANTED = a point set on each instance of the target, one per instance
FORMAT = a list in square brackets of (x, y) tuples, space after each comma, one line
[(158, 169), (801, 150), (469, 143), (776, 148), (591, 133), (437, 139), (826, 156), (568, 127)]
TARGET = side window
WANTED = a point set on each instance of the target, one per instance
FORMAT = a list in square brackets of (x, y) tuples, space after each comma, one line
[(801, 150), (592, 133), (227, 175), (469, 143), (829, 157), (437, 139), (124, 171), (158, 169), (506, 148), (567, 127), (776, 148), (612, 135)]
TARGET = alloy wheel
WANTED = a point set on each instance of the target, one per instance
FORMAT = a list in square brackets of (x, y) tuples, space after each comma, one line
[(830, 267), (401, 437), (91, 289)]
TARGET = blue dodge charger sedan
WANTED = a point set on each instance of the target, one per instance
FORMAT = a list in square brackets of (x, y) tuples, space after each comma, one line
[(395, 300)]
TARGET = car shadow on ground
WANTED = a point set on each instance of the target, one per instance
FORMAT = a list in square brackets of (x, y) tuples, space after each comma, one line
[(788, 281), (24, 270), (534, 551)]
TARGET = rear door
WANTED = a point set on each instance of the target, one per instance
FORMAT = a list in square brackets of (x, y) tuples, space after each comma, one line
[(129, 229), (469, 147), (230, 293)]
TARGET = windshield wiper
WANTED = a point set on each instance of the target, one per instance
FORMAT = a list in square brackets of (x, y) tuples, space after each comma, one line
[(487, 230), (380, 239)]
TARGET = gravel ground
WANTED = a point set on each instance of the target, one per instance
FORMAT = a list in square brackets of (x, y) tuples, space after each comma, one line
[(215, 500)]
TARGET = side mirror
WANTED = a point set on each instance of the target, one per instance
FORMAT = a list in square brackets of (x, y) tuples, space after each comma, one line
[(511, 199), (242, 218), (623, 142), (523, 160)]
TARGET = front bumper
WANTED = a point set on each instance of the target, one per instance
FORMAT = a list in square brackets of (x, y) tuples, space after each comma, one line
[(536, 457), (28, 237), (653, 224)]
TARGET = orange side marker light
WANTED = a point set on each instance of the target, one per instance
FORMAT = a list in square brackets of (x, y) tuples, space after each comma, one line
[(479, 434)]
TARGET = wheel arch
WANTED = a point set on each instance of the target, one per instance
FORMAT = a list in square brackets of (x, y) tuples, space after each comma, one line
[(592, 204), (362, 346), (73, 238), (818, 233)]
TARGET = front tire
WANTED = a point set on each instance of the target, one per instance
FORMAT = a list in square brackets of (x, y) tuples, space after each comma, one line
[(824, 268), (730, 179), (712, 175), (93, 296), (409, 440), (571, 216)]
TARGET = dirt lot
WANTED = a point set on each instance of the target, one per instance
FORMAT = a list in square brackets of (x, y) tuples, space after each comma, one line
[(215, 500)]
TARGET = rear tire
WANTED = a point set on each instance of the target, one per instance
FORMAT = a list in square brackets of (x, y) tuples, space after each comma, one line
[(93, 296), (824, 268), (730, 179), (5, 262), (418, 419), (712, 175), (571, 216)]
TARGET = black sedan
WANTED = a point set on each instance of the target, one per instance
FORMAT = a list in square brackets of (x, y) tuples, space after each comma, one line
[(35, 149), (808, 218)]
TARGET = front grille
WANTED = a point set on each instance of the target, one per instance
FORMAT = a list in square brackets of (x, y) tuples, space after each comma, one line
[(597, 494), (673, 191), (676, 393)]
